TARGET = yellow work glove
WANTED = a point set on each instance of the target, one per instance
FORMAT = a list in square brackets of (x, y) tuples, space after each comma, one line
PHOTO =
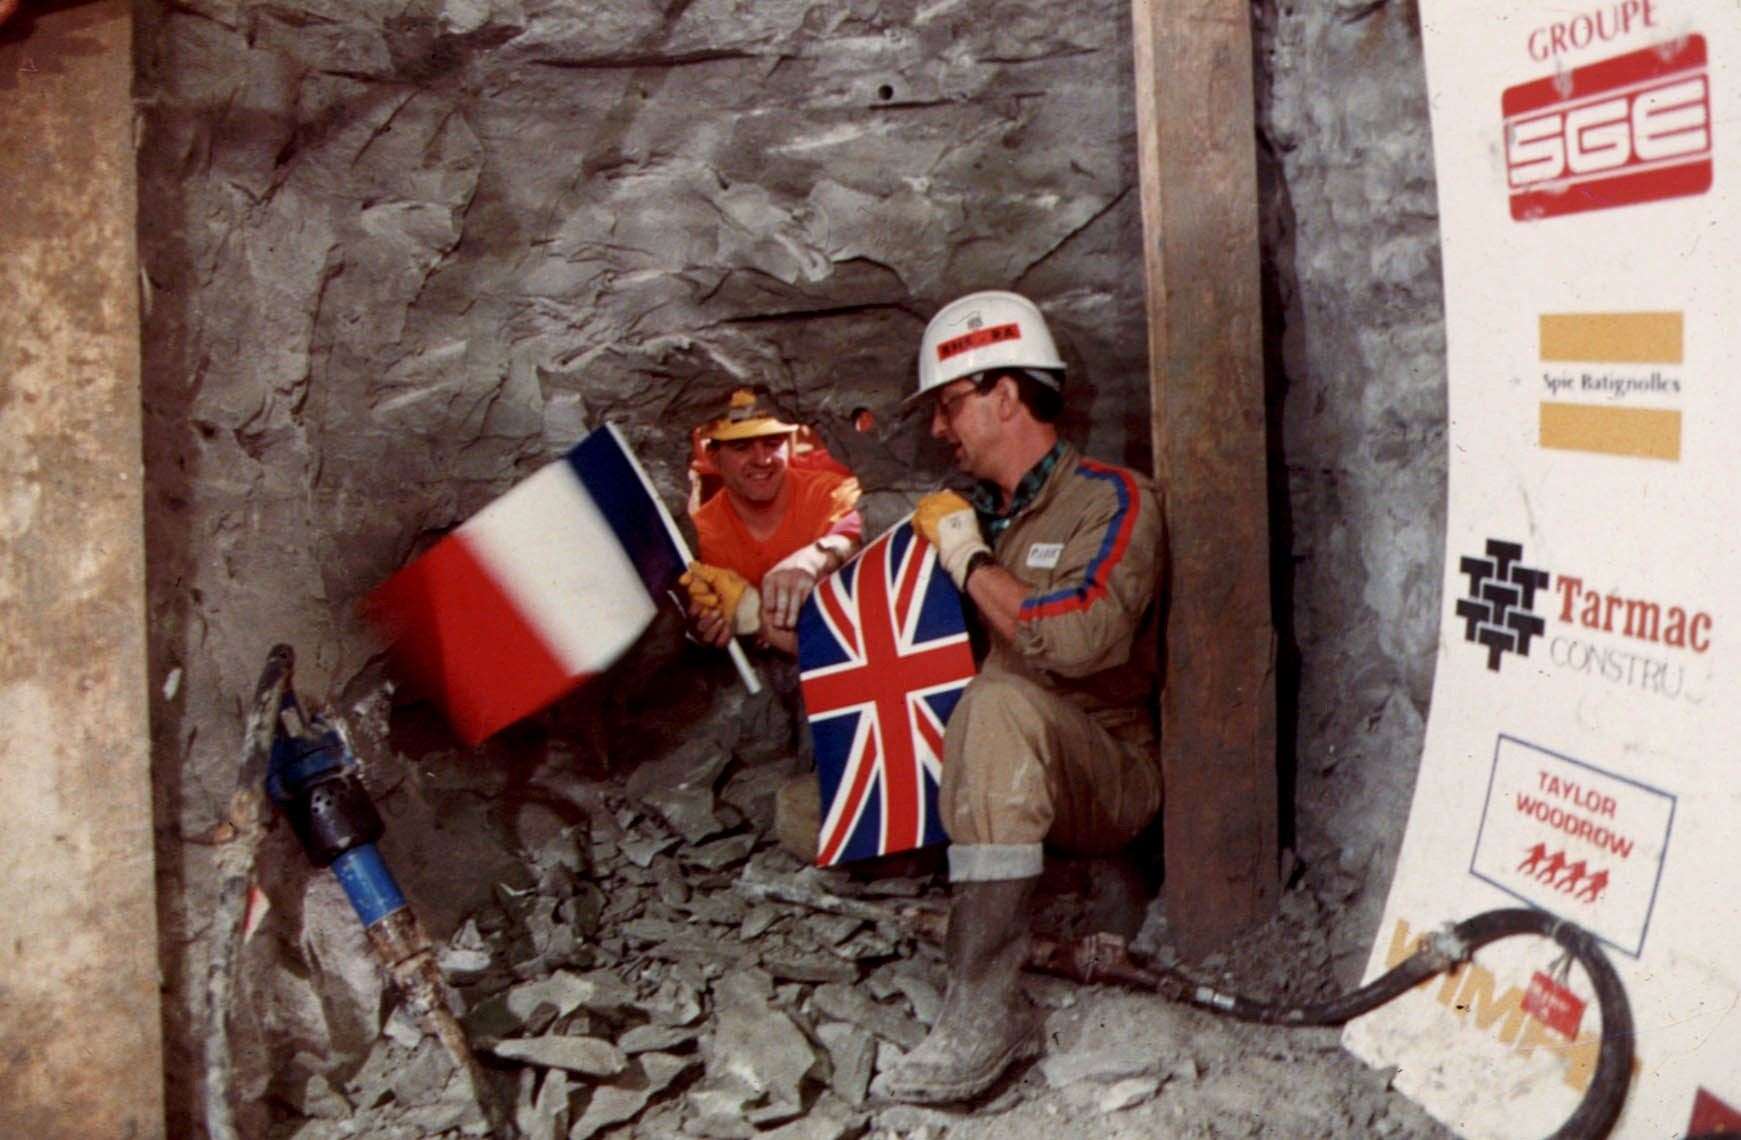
[(726, 593), (946, 521)]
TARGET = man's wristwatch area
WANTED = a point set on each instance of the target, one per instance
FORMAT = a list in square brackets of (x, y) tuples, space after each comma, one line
[(979, 558)]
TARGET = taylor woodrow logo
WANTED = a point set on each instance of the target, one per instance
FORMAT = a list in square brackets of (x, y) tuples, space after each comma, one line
[(1576, 840), (1634, 128), (1621, 637)]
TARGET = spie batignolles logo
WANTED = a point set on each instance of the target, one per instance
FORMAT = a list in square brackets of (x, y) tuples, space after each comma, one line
[(1499, 611)]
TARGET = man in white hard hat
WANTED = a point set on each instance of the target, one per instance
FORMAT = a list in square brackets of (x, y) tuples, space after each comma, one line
[(769, 534), (1053, 744)]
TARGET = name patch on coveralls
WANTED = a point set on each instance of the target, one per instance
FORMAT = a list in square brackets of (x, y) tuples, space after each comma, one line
[(1045, 555)]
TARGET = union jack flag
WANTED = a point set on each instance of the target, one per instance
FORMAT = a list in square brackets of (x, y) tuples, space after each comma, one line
[(882, 656)]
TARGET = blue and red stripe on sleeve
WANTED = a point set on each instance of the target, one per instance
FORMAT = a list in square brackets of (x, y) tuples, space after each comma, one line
[(1113, 544)]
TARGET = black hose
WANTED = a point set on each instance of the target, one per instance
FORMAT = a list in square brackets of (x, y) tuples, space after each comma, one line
[(1602, 1100)]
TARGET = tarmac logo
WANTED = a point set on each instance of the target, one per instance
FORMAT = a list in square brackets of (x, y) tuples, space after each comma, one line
[(1499, 612)]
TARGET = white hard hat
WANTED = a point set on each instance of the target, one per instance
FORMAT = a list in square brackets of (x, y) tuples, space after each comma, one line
[(982, 331)]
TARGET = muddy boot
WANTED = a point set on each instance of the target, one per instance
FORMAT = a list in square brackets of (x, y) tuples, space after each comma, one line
[(986, 1022)]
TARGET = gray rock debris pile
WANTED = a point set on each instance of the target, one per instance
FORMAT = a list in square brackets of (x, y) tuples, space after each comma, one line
[(642, 973), (633, 982), (650, 982)]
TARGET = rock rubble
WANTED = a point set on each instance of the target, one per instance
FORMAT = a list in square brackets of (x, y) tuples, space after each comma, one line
[(652, 982)]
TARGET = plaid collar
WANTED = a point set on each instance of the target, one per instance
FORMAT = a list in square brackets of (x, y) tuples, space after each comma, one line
[(986, 495)]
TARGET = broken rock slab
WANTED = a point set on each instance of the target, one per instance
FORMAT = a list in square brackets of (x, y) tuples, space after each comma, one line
[(757, 921), (696, 764), (927, 1003), (1128, 1093), (656, 1038), (722, 908), (460, 965), (817, 1126), (812, 968), (753, 1044), (833, 929), (553, 940), (852, 1052), (674, 1003), (593, 1056), (675, 942), (1102, 1065), (413, 1093), (624, 1098), (673, 888), (722, 853), (599, 991), (542, 1114), (403, 1028), (849, 1004), (720, 1111), (642, 849), (687, 810), (915, 1120), (318, 1099), (751, 791)]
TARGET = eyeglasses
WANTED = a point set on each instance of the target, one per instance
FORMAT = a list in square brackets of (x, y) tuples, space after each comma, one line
[(946, 405)]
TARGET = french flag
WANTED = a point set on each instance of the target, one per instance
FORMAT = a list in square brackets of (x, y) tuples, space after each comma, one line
[(538, 592)]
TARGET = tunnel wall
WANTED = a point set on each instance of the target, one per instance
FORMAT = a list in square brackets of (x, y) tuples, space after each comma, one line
[(393, 263), (1352, 275)]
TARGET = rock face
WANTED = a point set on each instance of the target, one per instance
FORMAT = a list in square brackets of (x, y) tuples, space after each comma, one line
[(396, 258), (396, 264), (1351, 222)]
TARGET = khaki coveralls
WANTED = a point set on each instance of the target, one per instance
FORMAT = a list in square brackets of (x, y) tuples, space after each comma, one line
[(1054, 742)]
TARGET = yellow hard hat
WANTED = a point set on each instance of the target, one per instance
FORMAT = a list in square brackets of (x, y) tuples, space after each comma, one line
[(745, 420)]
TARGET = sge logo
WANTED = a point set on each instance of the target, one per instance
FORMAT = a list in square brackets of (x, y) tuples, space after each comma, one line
[(1631, 129)]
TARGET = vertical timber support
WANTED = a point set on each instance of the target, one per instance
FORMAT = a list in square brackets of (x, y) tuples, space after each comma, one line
[(1197, 154), (80, 1034)]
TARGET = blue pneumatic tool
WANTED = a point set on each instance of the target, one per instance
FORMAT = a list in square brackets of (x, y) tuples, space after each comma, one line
[(317, 783), (314, 778)]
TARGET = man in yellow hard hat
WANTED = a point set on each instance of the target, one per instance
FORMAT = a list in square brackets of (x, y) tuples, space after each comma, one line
[(1052, 745), (771, 532)]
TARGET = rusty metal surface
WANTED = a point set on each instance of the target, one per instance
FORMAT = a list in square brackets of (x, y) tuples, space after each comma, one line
[(80, 1052)]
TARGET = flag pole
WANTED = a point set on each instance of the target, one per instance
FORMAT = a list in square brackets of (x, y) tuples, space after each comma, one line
[(740, 659), (746, 671)]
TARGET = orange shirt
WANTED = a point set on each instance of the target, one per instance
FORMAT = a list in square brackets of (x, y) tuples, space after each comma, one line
[(823, 502)]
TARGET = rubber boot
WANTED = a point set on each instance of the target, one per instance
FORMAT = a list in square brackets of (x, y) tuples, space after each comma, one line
[(987, 1022)]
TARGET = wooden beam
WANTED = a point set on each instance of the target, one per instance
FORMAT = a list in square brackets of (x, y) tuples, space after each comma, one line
[(1198, 162), (80, 1035)]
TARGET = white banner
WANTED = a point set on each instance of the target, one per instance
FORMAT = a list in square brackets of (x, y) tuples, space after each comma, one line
[(1580, 753)]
